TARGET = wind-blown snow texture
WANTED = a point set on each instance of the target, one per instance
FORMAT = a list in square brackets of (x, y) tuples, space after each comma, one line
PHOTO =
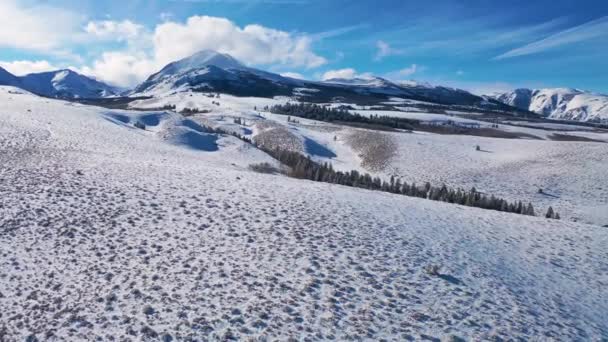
[(559, 103), (108, 231)]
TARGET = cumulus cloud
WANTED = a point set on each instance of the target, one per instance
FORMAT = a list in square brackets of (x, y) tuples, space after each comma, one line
[(20, 68), (171, 41), (252, 44), (121, 68), (114, 30), (39, 27), (347, 73)]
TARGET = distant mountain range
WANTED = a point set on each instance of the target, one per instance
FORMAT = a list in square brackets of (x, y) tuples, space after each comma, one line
[(212, 71), (559, 103), (65, 83), (216, 72)]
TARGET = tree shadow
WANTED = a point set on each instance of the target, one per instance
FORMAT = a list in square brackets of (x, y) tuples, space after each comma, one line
[(549, 195), (450, 279)]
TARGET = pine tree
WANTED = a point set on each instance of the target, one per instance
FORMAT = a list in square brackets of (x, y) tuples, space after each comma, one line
[(550, 214), (530, 210)]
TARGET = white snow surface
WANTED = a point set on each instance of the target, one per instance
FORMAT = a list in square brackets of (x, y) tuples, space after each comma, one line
[(112, 232), (510, 168)]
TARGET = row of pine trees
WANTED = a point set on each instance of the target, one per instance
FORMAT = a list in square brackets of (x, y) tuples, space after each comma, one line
[(328, 114), (303, 167)]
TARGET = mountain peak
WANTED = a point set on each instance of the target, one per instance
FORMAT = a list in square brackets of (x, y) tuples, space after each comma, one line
[(202, 59)]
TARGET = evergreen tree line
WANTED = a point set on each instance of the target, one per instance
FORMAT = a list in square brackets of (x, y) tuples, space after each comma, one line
[(329, 114), (303, 167)]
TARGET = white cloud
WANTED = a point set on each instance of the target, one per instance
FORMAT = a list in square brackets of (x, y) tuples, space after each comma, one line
[(40, 27), (114, 30), (20, 68), (337, 32), (165, 16), (590, 30), (253, 44), (408, 71), (121, 68), (459, 72), (405, 72), (385, 50), (347, 73), (171, 41), (293, 75)]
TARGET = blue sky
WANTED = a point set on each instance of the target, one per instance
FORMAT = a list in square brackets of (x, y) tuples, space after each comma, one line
[(482, 46)]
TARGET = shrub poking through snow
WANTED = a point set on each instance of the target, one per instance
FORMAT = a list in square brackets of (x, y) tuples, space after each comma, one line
[(432, 270), (263, 168)]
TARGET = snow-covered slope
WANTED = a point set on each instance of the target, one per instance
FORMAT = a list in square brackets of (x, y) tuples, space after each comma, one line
[(6, 78), (510, 168), (445, 95), (111, 232), (559, 103), (66, 84), (211, 70)]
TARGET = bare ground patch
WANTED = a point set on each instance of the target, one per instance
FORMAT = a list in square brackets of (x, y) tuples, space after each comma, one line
[(568, 137), (374, 148), (276, 136)]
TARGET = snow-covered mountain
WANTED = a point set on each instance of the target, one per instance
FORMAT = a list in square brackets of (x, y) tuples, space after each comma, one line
[(559, 103), (66, 84), (213, 71), (60, 83), (441, 94)]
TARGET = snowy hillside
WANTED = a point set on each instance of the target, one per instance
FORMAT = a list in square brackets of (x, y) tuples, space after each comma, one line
[(559, 103), (112, 232), (511, 168)]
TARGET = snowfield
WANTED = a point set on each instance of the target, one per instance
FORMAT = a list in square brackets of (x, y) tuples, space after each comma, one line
[(111, 232), (573, 181)]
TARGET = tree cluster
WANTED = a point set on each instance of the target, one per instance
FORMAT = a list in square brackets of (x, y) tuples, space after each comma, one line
[(329, 114), (303, 167)]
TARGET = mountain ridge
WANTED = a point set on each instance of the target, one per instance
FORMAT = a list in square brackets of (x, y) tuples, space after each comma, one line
[(211, 71), (62, 83), (559, 103)]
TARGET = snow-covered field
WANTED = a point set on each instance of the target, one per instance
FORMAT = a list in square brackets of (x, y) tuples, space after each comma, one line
[(422, 116), (571, 174), (114, 233)]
